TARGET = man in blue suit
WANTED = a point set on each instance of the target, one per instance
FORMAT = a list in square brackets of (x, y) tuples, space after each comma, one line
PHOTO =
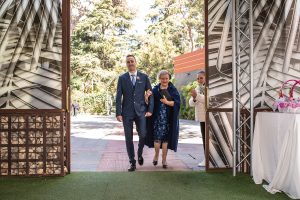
[(132, 107)]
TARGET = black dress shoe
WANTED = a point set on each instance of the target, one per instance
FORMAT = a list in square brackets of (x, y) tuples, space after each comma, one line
[(141, 160), (154, 162), (132, 168)]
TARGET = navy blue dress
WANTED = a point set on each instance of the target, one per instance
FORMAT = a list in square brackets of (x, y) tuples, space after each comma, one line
[(161, 125)]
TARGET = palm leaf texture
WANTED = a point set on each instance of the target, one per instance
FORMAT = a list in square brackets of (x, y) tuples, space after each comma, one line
[(276, 50), (276, 32), (30, 54)]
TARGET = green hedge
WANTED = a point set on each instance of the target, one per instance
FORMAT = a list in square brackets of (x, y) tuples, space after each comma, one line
[(187, 112)]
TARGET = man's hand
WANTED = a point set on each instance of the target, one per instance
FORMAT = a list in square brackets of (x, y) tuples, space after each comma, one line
[(194, 93), (120, 118), (148, 114)]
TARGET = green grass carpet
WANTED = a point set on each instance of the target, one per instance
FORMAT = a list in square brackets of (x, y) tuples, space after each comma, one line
[(135, 186)]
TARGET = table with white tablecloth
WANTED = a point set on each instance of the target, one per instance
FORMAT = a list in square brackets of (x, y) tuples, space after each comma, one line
[(276, 152)]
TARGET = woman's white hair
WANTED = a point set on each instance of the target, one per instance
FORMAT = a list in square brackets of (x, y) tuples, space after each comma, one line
[(163, 72)]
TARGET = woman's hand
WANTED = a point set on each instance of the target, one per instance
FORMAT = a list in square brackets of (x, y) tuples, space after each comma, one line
[(194, 93), (148, 93), (164, 100)]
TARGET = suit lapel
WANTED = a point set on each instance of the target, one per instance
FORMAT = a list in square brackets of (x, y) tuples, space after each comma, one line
[(138, 79)]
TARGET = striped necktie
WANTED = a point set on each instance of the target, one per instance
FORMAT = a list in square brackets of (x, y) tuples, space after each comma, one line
[(133, 79)]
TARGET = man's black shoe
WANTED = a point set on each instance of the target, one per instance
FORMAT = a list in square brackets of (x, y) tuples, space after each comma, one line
[(141, 160), (132, 168)]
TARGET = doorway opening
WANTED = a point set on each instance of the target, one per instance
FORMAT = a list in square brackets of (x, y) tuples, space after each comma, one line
[(162, 35)]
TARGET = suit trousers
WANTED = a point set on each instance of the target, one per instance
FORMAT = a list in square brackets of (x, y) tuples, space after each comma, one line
[(140, 122), (202, 126)]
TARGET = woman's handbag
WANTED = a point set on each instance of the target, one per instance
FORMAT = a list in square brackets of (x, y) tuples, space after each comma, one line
[(166, 94)]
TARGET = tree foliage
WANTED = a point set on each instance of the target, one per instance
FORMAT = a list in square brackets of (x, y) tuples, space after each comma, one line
[(176, 27), (97, 53), (102, 37), (187, 112)]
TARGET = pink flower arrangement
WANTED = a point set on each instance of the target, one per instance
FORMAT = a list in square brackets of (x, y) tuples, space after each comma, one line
[(287, 103)]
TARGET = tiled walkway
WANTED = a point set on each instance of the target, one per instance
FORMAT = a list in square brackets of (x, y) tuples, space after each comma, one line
[(97, 144)]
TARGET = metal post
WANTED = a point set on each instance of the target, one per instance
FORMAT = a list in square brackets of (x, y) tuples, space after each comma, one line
[(251, 79), (233, 85), (242, 82), (238, 96)]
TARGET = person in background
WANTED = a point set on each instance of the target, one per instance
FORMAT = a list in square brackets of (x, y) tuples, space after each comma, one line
[(132, 107), (197, 100), (75, 107), (163, 126)]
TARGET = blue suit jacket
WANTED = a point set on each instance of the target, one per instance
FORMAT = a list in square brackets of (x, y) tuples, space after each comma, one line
[(130, 100)]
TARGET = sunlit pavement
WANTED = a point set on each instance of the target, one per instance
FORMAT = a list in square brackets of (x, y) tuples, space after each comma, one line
[(97, 144)]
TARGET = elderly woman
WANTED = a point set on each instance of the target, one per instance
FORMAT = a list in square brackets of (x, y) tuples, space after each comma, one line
[(163, 126)]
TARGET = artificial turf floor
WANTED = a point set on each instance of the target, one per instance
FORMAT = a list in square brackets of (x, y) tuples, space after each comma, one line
[(135, 186)]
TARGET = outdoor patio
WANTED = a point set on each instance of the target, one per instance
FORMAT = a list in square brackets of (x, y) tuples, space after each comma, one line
[(97, 144)]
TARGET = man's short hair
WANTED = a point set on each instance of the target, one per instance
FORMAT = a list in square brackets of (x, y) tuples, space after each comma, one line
[(130, 55)]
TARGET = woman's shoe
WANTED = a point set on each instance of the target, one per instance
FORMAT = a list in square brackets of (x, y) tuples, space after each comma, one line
[(165, 166), (154, 162)]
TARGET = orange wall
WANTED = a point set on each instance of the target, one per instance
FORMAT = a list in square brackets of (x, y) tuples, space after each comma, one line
[(190, 61)]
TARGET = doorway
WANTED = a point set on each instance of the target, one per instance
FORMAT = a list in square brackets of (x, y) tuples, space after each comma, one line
[(97, 60)]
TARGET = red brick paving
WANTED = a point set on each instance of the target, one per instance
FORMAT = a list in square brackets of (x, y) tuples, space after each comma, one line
[(115, 158)]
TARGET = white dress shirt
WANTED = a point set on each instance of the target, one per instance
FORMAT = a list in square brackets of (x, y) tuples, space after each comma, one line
[(135, 74)]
